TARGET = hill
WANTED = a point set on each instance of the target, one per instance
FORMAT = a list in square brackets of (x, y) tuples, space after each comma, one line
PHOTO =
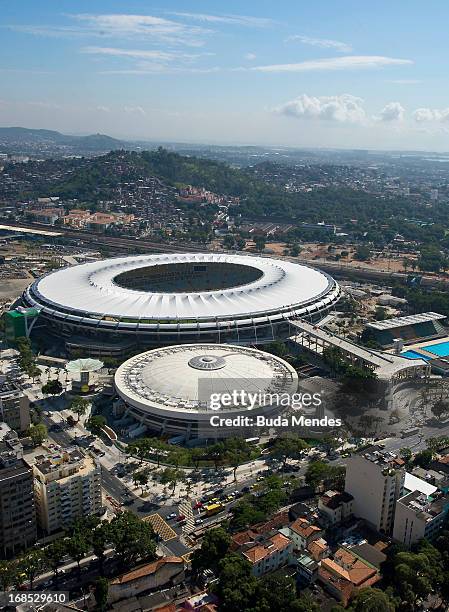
[(28, 141)]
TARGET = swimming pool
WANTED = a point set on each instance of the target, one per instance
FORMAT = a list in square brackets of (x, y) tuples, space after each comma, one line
[(441, 349), (414, 355)]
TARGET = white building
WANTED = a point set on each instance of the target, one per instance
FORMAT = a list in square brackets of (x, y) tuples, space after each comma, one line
[(336, 506), (67, 486), (375, 479), (268, 556), (418, 516)]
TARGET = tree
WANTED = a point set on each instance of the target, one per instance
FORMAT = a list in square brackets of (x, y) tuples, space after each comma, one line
[(96, 423), (38, 433), (439, 408), (79, 406), (259, 242), (287, 448), (101, 592), (99, 540), (8, 574), (236, 586), (31, 565), (423, 458), (372, 600), (362, 253), (142, 477), (132, 538), (54, 554), (406, 454), (214, 547), (319, 472), (172, 476), (52, 387), (77, 548)]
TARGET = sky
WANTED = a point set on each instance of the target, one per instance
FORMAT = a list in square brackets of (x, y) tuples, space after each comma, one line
[(327, 73)]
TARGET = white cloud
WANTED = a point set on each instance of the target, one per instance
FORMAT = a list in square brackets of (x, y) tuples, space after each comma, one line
[(241, 20), (343, 109), (394, 111), (103, 109), (324, 43), (132, 53), (422, 115), (147, 27), (135, 110), (404, 81), (250, 56), (348, 62)]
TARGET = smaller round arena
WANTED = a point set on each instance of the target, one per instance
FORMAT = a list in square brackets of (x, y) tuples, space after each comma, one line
[(167, 390)]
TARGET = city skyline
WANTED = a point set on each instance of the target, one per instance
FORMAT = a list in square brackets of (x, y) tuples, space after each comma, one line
[(321, 76)]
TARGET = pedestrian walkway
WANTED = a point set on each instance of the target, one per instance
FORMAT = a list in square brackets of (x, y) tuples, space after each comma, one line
[(161, 527), (185, 508)]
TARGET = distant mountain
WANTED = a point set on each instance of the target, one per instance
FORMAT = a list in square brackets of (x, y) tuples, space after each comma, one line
[(45, 142)]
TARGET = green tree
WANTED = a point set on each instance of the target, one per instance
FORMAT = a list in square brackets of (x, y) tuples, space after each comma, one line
[(101, 591), (214, 547), (8, 574), (52, 387), (79, 406), (95, 423), (439, 408), (172, 476), (54, 554), (319, 472), (236, 586), (77, 548), (32, 564), (423, 458), (372, 600), (287, 448), (38, 433), (141, 478), (132, 539)]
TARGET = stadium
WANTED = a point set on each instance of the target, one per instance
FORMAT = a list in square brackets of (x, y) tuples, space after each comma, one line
[(167, 390), (156, 300)]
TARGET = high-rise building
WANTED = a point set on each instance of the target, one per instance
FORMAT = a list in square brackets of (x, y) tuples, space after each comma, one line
[(14, 406), (67, 486), (17, 511), (375, 479), (418, 516)]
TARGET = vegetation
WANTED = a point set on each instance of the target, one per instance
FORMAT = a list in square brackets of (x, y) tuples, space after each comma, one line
[(52, 387), (38, 433), (96, 423), (79, 405)]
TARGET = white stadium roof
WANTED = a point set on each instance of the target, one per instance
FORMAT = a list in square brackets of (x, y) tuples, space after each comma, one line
[(90, 288), (176, 379)]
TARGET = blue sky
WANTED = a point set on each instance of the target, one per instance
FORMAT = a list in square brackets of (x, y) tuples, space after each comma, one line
[(286, 72)]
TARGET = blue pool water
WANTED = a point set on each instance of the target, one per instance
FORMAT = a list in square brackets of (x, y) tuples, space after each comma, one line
[(415, 355), (441, 349)]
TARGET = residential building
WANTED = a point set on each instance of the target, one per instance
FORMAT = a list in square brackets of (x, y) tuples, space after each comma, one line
[(17, 511), (307, 570), (375, 479), (14, 407), (318, 549), (336, 506), (302, 533), (162, 573), (269, 554), (67, 486), (419, 516), (345, 574)]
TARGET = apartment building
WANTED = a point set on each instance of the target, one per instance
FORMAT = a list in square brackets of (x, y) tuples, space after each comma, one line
[(375, 479), (14, 407), (17, 510), (269, 554), (67, 486), (419, 516), (336, 506)]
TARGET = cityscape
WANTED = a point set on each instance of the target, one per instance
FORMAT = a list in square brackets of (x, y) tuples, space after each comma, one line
[(224, 307)]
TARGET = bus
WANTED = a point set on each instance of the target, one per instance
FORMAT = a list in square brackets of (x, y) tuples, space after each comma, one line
[(212, 509)]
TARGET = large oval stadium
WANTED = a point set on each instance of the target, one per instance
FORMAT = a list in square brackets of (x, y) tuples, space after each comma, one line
[(156, 300)]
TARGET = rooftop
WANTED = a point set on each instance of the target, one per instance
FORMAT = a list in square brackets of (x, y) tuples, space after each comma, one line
[(395, 322), (147, 570)]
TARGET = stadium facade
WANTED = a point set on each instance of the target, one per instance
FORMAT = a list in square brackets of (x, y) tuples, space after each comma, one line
[(155, 300)]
